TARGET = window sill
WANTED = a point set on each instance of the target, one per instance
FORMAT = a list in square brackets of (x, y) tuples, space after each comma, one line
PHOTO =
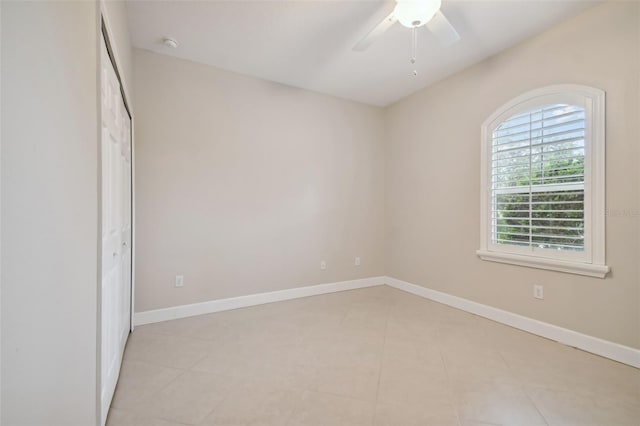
[(588, 269)]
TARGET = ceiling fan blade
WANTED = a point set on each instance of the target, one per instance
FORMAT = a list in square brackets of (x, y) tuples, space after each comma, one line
[(440, 26), (379, 29)]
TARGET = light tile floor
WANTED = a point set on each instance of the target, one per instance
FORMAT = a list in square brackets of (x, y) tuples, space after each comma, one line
[(375, 356)]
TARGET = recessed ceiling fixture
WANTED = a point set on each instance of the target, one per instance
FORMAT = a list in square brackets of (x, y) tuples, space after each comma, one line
[(414, 14), (170, 42)]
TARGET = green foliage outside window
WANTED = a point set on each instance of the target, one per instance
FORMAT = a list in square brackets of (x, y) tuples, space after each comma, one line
[(557, 216)]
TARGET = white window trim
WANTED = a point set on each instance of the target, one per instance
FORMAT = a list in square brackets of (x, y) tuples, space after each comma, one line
[(593, 261)]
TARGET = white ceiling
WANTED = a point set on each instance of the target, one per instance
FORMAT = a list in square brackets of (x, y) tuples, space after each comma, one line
[(308, 44)]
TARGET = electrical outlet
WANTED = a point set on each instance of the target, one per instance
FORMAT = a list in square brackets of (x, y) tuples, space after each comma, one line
[(323, 265), (357, 261), (538, 292), (179, 280)]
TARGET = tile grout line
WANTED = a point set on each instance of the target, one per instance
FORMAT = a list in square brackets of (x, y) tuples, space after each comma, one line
[(446, 370), (384, 345), (153, 394), (523, 388), (219, 403)]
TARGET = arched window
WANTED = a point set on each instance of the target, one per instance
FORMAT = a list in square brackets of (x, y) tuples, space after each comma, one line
[(543, 181)]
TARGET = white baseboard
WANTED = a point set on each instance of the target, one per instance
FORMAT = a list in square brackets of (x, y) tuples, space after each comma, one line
[(614, 351), (183, 311), (607, 349)]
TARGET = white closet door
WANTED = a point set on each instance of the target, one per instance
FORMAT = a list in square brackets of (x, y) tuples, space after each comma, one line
[(116, 230)]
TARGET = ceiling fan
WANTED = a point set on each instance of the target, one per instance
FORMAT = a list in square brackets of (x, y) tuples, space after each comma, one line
[(414, 14)]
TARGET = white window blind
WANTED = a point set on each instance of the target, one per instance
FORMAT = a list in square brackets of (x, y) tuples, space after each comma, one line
[(538, 179), (543, 181)]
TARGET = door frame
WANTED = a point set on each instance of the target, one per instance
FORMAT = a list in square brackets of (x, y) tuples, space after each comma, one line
[(105, 34)]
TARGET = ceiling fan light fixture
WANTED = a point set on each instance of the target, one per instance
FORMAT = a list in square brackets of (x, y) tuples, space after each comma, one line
[(415, 13)]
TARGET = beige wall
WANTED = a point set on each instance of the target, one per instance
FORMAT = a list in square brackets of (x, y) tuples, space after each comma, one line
[(244, 186), (49, 213), (433, 172)]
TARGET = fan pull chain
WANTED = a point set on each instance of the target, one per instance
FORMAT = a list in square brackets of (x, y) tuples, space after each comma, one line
[(414, 48)]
